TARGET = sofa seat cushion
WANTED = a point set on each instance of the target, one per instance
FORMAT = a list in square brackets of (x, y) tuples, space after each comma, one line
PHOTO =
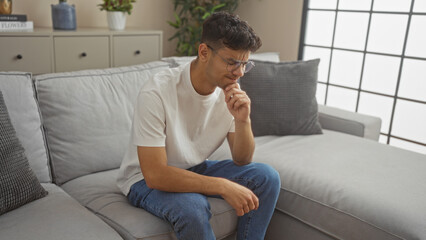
[(99, 193), (56, 216), (347, 186)]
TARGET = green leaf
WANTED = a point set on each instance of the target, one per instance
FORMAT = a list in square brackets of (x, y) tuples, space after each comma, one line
[(206, 15), (200, 8), (218, 7), (175, 25), (174, 36), (177, 19)]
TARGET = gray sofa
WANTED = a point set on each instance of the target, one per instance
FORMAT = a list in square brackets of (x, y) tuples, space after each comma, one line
[(74, 127)]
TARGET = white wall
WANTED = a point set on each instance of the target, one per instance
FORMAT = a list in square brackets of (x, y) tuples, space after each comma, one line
[(276, 21)]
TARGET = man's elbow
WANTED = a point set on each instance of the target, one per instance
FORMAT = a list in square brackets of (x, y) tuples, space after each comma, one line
[(150, 183), (153, 181), (242, 161)]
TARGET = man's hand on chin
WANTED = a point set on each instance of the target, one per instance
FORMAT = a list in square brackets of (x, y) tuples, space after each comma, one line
[(238, 102)]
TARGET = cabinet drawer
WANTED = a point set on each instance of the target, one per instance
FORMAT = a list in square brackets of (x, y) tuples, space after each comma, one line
[(131, 50), (77, 53), (27, 54)]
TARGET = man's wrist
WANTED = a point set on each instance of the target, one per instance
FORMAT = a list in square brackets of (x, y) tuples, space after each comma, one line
[(221, 185), (245, 121)]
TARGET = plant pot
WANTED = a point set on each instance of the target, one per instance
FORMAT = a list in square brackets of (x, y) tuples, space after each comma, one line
[(116, 20)]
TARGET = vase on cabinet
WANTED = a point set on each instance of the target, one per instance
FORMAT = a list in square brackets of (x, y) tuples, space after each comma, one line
[(63, 16)]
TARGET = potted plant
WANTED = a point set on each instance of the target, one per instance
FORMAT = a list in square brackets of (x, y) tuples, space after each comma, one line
[(189, 16), (116, 12)]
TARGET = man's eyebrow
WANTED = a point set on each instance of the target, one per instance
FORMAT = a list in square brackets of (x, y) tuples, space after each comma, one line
[(235, 60)]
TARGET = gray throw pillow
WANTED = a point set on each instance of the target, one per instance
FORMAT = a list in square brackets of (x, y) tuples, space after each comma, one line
[(283, 97), (18, 183)]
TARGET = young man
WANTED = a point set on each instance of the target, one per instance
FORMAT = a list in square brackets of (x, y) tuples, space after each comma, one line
[(182, 116)]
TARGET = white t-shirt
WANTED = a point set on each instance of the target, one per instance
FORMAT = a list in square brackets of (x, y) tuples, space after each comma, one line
[(170, 113)]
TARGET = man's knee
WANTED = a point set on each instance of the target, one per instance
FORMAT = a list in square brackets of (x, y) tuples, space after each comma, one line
[(192, 218), (195, 209), (268, 174)]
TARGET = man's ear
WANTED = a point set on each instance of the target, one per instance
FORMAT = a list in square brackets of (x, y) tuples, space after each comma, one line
[(203, 52)]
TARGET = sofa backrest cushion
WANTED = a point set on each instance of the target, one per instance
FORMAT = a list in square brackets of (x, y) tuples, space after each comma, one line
[(19, 96), (18, 183), (88, 115), (283, 97)]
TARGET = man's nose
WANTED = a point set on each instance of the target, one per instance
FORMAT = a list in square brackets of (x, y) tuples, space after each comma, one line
[(239, 71)]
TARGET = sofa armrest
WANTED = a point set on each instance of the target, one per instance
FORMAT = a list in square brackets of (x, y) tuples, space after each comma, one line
[(349, 122)]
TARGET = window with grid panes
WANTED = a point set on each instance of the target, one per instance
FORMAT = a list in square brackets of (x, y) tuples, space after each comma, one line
[(373, 61)]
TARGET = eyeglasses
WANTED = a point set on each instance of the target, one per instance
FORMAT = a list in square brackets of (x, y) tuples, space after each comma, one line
[(233, 64)]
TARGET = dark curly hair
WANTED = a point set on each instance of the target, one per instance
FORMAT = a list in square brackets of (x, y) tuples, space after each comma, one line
[(223, 29)]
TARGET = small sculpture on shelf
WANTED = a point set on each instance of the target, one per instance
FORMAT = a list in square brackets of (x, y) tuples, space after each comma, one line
[(5, 6)]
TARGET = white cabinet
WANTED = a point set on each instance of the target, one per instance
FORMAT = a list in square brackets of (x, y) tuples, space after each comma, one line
[(129, 50), (26, 54), (75, 53), (45, 50)]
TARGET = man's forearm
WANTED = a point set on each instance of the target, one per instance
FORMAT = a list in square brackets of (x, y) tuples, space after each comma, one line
[(243, 145), (172, 179)]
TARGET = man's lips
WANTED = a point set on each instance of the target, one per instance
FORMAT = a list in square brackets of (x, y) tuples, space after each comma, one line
[(234, 79)]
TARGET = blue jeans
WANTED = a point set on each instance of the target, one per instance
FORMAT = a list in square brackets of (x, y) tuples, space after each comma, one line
[(189, 213)]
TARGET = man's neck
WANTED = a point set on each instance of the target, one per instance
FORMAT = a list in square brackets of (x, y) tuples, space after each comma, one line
[(199, 79)]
